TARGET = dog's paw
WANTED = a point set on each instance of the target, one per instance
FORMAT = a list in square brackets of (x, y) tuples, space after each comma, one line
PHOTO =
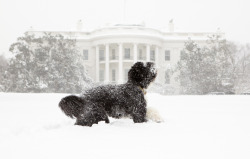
[(153, 115)]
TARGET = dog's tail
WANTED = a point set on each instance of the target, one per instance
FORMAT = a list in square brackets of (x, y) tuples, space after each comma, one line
[(71, 105)]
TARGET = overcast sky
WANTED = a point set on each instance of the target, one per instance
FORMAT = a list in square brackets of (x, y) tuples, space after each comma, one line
[(17, 16)]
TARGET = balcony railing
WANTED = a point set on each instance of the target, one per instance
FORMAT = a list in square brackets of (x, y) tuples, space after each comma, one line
[(114, 57), (143, 58), (127, 58), (102, 58), (152, 58), (110, 58)]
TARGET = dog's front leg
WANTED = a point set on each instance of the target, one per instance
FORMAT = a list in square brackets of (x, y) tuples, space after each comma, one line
[(139, 114)]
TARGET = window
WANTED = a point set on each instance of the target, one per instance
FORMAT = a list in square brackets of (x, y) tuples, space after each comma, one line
[(127, 53), (167, 77), (101, 55), (140, 55), (126, 74), (152, 55), (85, 55), (113, 75), (167, 55), (113, 54), (101, 75)]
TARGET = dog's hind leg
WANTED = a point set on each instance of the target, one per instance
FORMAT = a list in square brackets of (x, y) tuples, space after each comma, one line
[(101, 115), (106, 119), (91, 115)]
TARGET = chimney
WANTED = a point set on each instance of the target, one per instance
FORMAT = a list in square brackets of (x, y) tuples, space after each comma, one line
[(171, 25), (79, 25)]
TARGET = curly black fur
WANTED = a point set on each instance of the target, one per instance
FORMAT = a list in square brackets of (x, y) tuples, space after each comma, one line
[(125, 100)]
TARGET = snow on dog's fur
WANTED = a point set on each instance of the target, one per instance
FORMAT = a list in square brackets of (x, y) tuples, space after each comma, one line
[(117, 101)]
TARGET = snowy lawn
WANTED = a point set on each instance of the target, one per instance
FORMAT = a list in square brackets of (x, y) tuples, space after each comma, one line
[(196, 127)]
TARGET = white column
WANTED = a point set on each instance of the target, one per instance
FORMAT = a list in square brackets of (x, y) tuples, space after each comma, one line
[(148, 53), (135, 53), (107, 63), (120, 78), (157, 63), (157, 56), (97, 63)]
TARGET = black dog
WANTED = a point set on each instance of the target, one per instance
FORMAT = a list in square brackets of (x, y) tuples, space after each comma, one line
[(125, 100)]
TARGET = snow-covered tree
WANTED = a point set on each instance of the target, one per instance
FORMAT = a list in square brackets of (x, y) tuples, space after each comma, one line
[(3, 68), (242, 83), (50, 63), (210, 68)]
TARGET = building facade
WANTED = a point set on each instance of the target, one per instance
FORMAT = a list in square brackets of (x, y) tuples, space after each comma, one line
[(109, 52)]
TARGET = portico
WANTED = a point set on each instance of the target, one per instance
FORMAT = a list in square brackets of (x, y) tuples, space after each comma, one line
[(113, 58)]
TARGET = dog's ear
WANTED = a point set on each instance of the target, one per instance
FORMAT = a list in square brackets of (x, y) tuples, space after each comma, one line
[(138, 64), (136, 73)]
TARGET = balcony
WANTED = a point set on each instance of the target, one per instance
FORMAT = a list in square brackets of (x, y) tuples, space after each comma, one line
[(113, 58), (127, 58), (142, 58), (101, 58)]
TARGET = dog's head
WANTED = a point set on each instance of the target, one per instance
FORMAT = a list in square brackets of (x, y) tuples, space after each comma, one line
[(142, 74)]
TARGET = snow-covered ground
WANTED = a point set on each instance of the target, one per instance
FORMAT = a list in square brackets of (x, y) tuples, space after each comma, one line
[(196, 127)]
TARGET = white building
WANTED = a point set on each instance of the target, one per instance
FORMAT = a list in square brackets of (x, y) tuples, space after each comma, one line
[(110, 51)]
